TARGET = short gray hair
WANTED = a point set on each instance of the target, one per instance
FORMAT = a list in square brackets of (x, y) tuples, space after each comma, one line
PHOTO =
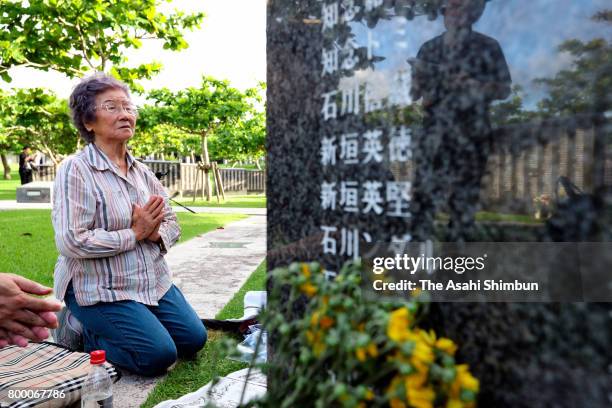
[(83, 100)]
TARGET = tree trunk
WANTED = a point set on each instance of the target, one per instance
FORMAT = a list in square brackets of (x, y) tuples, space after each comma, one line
[(206, 161), (7, 168), (49, 153)]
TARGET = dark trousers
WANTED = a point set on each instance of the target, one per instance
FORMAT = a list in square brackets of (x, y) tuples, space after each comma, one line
[(25, 176), (142, 339), (450, 161)]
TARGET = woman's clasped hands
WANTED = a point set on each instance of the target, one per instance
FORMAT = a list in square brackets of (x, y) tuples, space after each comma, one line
[(147, 219)]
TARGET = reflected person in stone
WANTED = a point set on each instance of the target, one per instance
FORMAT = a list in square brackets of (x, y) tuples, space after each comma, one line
[(457, 74)]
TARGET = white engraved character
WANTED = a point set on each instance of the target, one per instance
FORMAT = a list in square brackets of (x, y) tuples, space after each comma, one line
[(351, 97), (400, 145), (400, 89), (329, 16), (372, 197), (349, 194), (349, 59), (371, 100), (398, 198), (328, 151), (349, 148), (372, 147), (329, 60), (328, 242), (349, 242), (330, 108), (328, 196)]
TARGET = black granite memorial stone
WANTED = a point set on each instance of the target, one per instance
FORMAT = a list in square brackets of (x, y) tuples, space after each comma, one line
[(451, 121)]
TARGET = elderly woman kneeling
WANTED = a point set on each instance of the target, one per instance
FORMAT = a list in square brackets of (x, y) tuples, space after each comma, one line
[(113, 226)]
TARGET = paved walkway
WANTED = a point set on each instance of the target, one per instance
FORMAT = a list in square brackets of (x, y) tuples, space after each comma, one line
[(14, 205), (209, 269)]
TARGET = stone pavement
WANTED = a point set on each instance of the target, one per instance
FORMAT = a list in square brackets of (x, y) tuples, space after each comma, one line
[(209, 269), (14, 205)]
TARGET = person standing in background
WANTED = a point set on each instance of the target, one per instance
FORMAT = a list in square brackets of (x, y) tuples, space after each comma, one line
[(457, 74), (25, 165)]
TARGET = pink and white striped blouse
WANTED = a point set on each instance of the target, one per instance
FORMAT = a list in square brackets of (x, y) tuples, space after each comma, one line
[(92, 217)]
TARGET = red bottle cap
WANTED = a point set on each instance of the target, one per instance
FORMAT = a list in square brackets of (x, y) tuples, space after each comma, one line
[(97, 357)]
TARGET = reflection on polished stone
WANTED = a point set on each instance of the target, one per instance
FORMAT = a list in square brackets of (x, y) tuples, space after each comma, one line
[(455, 120)]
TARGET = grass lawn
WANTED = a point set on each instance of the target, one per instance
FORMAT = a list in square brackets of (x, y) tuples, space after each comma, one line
[(27, 246), (188, 376), (231, 201), (487, 216), (8, 188), (499, 217)]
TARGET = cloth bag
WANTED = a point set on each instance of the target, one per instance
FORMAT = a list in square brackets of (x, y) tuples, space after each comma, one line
[(43, 375)]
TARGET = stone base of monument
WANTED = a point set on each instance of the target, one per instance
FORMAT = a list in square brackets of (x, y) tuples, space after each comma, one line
[(35, 192), (226, 393)]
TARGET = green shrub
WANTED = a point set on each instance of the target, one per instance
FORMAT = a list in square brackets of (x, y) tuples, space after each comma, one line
[(342, 349)]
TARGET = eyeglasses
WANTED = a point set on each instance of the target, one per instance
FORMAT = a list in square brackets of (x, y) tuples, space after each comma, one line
[(115, 108)]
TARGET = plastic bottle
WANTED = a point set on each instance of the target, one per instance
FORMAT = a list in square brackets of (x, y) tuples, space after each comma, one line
[(98, 387)]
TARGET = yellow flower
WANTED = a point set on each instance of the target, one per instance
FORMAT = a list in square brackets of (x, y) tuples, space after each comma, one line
[(464, 380), (314, 338), (372, 349), (314, 319), (325, 300), (428, 337), (446, 345), (454, 403), (306, 270), (421, 397), (318, 348), (399, 324), (369, 395), (422, 352), (397, 403), (416, 380), (360, 352), (308, 289), (311, 336), (363, 352)]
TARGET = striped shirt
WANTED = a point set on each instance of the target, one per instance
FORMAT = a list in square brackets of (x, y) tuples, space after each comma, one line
[(92, 217)]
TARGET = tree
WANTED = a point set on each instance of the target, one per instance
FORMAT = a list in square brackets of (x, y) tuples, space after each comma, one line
[(7, 143), (163, 139), (75, 36), (584, 87), (200, 111), (511, 110), (244, 140), (38, 118)]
